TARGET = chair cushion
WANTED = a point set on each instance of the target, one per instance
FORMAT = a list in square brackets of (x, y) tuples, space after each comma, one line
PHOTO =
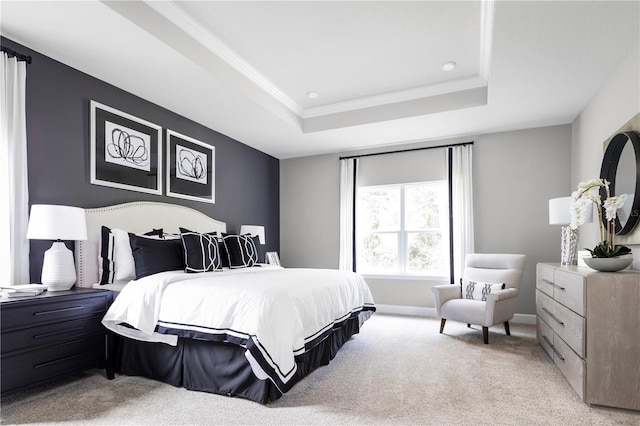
[(478, 290)]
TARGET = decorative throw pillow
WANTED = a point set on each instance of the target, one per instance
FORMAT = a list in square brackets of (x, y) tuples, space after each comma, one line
[(241, 251), (201, 252), (222, 249), (478, 290), (152, 255)]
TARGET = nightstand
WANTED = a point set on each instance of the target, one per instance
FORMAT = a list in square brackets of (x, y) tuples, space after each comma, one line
[(51, 335)]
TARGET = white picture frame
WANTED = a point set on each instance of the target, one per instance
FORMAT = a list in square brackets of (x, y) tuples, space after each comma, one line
[(190, 168), (125, 151), (272, 258)]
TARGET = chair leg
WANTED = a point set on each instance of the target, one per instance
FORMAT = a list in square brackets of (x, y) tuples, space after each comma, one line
[(485, 335), (506, 328), (442, 321)]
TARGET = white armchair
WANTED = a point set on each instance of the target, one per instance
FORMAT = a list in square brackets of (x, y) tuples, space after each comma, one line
[(499, 304)]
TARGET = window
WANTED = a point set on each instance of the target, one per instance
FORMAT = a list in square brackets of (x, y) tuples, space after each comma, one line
[(403, 229)]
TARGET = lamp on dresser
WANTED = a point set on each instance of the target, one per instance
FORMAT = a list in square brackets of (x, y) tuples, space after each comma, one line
[(560, 214), (53, 222)]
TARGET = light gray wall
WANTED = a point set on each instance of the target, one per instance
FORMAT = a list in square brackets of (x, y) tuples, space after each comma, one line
[(515, 174), (617, 102)]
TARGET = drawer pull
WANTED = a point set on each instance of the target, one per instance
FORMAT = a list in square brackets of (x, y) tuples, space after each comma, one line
[(55, 311), (558, 287), (40, 336), (555, 318), (553, 348), (46, 364), (547, 281)]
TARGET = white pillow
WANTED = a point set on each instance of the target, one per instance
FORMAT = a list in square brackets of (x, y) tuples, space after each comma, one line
[(122, 256), (475, 290)]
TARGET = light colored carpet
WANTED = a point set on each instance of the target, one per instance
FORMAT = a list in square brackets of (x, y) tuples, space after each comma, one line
[(398, 370)]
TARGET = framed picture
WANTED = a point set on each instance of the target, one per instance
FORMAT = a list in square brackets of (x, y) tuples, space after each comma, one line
[(190, 168), (126, 151), (272, 258)]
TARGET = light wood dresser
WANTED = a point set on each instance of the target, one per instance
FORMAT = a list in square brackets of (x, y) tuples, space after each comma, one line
[(589, 324)]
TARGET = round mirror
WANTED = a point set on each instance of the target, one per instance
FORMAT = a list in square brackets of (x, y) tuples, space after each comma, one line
[(621, 167)]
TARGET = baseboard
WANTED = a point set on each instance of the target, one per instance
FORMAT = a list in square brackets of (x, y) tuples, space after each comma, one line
[(431, 312)]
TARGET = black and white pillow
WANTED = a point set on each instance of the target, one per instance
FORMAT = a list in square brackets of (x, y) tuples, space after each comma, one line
[(241, 250), (201, 252), (477, 290), (152, 255), (107, 248)]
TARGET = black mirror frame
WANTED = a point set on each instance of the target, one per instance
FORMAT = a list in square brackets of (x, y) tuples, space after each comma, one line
[(609, 169)]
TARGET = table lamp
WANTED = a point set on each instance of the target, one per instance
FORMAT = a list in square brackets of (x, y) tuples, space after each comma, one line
[(52, 222), (254, 230)]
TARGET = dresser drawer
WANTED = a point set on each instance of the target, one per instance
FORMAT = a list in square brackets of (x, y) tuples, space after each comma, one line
[(544, 279), (564, 322), (31, 367), (571, 365), (28, 315), (569, 290), (50, 333), (544, 332)]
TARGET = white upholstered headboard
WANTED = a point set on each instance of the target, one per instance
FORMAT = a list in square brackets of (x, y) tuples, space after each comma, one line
[(134, 217)]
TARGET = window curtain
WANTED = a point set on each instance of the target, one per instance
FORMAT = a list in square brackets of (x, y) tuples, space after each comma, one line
[(460, 174), (348, 180), (14, 193)]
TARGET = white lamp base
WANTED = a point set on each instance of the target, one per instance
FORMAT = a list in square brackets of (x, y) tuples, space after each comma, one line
[(58, 270)]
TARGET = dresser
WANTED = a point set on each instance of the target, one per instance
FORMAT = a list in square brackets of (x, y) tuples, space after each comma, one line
[(48, 336), (589, 324)]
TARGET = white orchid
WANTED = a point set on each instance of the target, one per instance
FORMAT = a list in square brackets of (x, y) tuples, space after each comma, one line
[(589, 192), (612, 204)]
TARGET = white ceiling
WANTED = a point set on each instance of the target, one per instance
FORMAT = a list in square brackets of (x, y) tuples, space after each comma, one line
[(244, 68)]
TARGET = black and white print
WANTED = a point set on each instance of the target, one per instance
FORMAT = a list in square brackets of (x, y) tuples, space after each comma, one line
[(190, 168), (126, 151), (241, 250)]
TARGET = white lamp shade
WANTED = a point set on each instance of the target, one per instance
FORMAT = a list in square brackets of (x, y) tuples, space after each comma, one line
[(559, 211), (51, 222), (254, 230)]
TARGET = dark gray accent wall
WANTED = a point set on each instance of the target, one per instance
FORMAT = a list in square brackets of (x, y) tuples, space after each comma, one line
[(247, 180)]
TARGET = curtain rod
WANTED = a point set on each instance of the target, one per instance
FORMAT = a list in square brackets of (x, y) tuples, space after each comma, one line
[(406, 150), (19, 56)]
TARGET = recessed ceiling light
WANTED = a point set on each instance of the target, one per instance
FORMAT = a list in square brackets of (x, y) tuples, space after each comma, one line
[(312, 95), (448, 66)]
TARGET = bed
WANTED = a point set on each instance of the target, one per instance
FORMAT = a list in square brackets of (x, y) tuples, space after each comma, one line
[(239, 329)]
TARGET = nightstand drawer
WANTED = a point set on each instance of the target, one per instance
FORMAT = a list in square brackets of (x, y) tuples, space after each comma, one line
[(50, 333), (34, 366), (30, 314)]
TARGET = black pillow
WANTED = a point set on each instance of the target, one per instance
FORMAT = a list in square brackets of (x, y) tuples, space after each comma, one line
[(224, 256), (201, 252), (152, 256), (106, 256), (241, 250)]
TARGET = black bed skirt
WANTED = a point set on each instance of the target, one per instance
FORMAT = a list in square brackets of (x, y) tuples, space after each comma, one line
[(221, 368)]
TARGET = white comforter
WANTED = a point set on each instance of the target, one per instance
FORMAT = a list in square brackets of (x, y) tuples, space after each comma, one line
[(279, 309)]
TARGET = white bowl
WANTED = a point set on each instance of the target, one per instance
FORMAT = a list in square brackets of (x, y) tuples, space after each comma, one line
[(608, 264)]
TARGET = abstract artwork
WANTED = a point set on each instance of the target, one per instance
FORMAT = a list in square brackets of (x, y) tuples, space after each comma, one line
[(126, 151), (190, 168)]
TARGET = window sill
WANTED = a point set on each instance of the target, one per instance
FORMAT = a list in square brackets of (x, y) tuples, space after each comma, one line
[(408, 277)]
